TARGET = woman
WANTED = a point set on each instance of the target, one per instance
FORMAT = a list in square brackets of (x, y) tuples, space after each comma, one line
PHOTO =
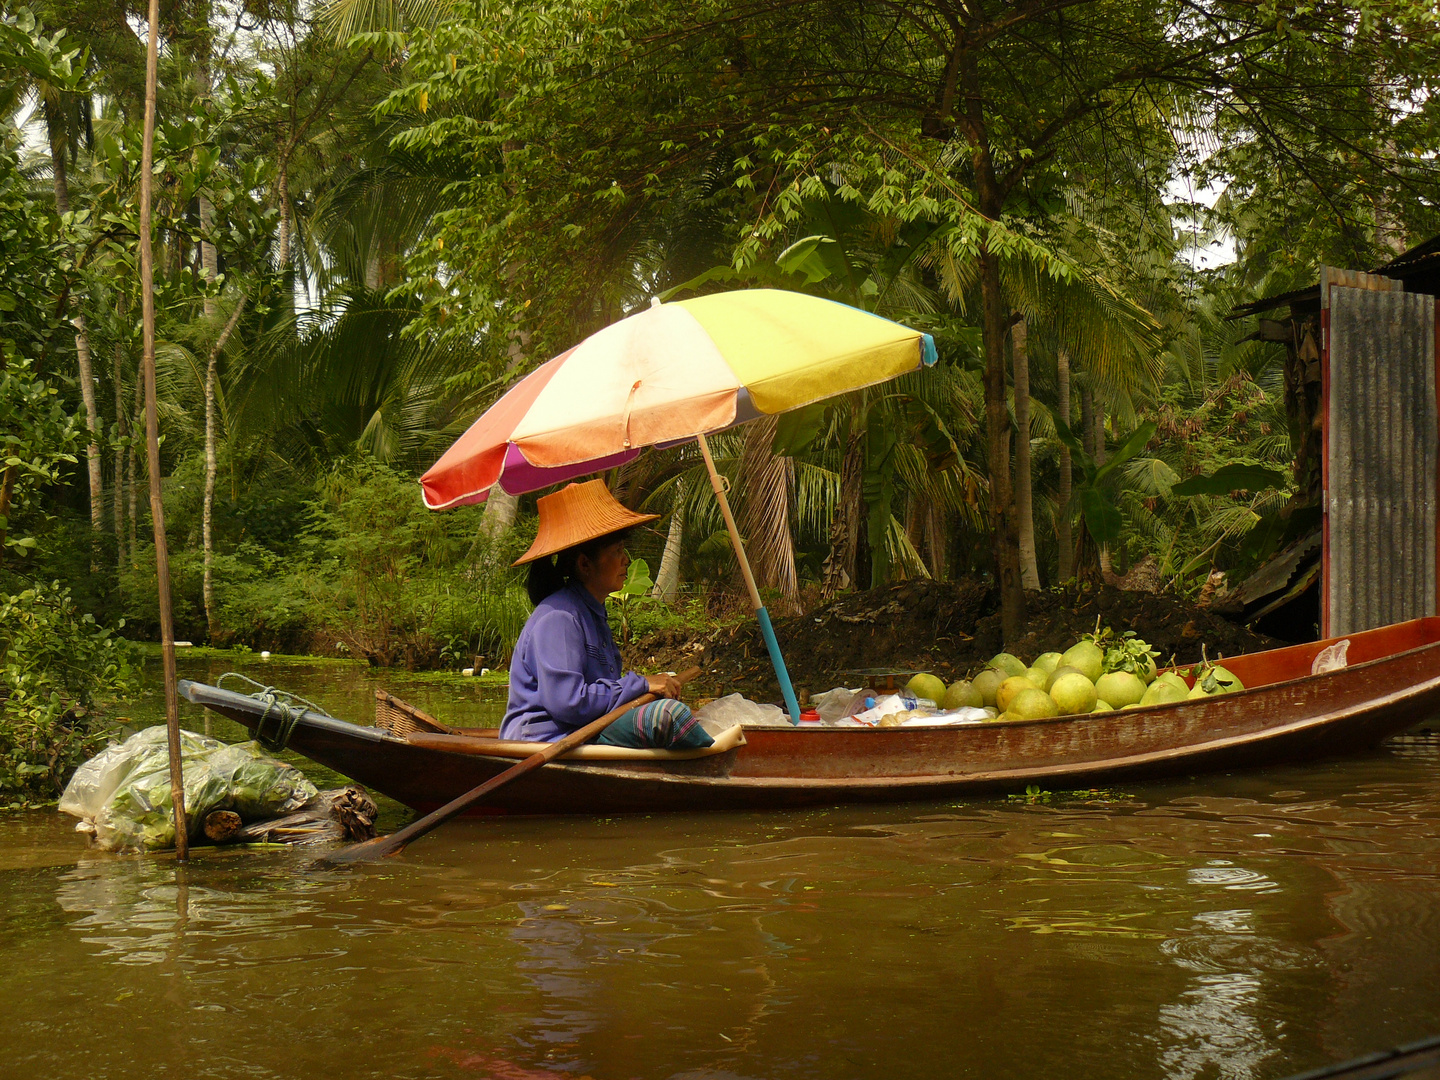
[(566, 669)]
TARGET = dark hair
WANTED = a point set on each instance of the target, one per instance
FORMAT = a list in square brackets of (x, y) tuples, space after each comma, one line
[(552, 573)]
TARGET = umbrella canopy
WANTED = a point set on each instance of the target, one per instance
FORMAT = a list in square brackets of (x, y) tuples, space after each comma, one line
[(667, 374)]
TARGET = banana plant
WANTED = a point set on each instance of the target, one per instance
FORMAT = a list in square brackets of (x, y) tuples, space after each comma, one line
[(636, 588), (1094, 496)]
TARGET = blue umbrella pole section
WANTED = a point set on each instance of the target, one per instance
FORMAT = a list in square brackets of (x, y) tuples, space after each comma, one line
[(766, 629)]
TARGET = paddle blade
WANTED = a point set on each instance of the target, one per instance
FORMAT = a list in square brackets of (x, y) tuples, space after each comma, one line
[(372, 850)]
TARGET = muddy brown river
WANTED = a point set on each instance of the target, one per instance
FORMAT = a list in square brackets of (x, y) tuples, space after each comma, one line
[(1236, 926)]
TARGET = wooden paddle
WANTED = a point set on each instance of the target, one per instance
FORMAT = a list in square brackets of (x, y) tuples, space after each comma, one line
[(396, 842)]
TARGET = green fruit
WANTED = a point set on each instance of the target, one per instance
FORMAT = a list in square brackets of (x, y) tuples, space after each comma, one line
[(992, 713), (1010, 689), (1048, 661), (1196, 691), (1010, 665), (1136, 705), (1227, 679), (1086, 657), (987, 682), (926, 686), (1120, 688), (1147, 671), (1032, 704), (1038, 677), (1174, 680), (1063, 669), (1163, 692), (1074, 694), (962, 695), (1103, 706)]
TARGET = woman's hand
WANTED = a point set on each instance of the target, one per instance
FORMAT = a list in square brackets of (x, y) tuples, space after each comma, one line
[(663, 685)]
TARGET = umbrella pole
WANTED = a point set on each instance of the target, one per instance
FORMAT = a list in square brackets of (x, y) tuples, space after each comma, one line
[(766, 630)]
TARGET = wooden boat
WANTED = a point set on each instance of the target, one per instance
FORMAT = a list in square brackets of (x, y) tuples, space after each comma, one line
[(1286, 714)]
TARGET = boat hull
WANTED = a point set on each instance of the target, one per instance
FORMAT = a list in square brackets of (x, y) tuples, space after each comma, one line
[(1392, 683)]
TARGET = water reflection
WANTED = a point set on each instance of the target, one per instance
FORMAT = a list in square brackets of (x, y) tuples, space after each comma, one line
[(1241, 927)]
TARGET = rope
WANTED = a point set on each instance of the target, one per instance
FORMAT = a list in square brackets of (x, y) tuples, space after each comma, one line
[(286, 713)]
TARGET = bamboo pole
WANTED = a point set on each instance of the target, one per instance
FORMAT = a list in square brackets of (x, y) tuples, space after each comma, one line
[(766, 630), (152, 438)]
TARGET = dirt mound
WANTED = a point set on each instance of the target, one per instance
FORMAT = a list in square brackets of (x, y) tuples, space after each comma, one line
[(945, 627)]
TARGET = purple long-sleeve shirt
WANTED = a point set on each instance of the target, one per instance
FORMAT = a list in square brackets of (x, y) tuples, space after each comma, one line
[(565, 671)]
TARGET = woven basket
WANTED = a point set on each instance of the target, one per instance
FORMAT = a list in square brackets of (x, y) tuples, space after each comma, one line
[(402, 719)]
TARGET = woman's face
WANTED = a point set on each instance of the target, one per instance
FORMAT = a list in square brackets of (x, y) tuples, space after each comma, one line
[(605, 573)]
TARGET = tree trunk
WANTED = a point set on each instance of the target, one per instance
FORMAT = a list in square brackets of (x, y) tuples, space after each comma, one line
[(1024, 506), (207, 513), (667, 578), (936, 540), (1004, 538), (122, 428), (282, 194), (92, 421), (499, 516), (1062, 515), (1098, 417), (60, 180), (841, 563)]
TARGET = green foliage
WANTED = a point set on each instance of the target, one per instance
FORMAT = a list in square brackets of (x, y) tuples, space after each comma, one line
[(59, 672), (632, 594), (398, 584)]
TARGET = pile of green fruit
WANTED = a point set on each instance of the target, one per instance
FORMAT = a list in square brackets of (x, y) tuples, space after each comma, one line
[(1101, 672)]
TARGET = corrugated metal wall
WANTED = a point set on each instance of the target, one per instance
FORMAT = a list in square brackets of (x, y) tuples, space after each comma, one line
[(1384, 451)]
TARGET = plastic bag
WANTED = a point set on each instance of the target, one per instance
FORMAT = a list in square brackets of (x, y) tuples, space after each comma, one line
[(724, 713), (834, 705), (122, 794)]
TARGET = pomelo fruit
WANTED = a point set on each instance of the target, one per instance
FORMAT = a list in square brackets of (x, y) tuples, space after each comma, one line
[(1147, 670), (1174, 680), (1163, 692), (987, 682), (1010, 665), (1103, 706), (1038, 677), (1086, 657), (1073, 693), (926, 686), (962, 695), (1048, 661), (1010, 689), (1032, 704), (1120, 688), (1229, 684), (1063, 669), (1136, 705)]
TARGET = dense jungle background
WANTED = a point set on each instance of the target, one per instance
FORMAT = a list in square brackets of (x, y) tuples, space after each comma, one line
[(375, 215)]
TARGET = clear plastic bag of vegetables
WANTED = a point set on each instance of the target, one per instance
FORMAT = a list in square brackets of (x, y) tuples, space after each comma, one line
[(122, 795)]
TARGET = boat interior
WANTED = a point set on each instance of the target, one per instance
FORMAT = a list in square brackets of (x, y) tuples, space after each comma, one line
[(1255, 670)]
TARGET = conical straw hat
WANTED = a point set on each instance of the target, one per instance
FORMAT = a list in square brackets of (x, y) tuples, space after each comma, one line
[(576, 513)]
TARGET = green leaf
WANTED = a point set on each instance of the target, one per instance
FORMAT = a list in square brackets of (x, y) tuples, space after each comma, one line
[(1236, 477), (795, 431), (1101, 517), (637, 581), (1127, 450)]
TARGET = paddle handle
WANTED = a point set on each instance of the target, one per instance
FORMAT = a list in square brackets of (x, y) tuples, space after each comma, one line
[(397, 841)]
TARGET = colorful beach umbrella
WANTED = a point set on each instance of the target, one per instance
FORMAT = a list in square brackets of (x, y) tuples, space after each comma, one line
[(668, 374)]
